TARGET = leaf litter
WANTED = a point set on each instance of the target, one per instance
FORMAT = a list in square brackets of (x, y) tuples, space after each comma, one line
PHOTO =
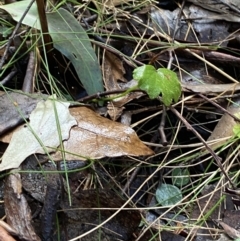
[(148, 34)]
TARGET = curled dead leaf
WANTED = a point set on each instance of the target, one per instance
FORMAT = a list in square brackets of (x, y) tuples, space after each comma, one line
[(231, 232), (96, 137)]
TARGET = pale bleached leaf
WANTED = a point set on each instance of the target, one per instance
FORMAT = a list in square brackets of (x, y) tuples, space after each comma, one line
[(41, 134)]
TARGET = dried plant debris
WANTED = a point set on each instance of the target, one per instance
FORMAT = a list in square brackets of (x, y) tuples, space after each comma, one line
[(80, 216), (230, 231), (161, 235), (97, 136), (204, 28), (210, 195), (228, 8)]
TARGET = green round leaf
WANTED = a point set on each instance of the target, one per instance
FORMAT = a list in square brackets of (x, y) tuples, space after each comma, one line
[(167, 195), (170, 85), (148, 80), (180, 176), (154, 82)]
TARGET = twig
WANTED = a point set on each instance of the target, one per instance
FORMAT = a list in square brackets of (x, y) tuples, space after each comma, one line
[(44, 26), (161, 127), (96, 37), (170, 59), (219, 107), (133, 175), (9, 77), (214, 155), (118, 53), (28, 82), (98, 96)]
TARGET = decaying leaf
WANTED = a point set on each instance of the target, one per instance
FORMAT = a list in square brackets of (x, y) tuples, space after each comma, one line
[(230, 231), (17, 106), (113, 71), (223, 131), (116, 107), (204, 27), (42, 132), (228, 9), (96, 137)]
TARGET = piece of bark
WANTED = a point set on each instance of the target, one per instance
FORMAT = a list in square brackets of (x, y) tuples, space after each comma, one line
[(17, 210), (45, 188), (51, 204)]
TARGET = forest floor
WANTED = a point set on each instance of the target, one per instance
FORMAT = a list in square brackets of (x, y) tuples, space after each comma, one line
[(119, 120)]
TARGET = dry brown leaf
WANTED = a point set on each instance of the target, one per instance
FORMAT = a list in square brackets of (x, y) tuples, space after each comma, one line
[(113, 71), (97, 137), (231, 232), (116, 107), (223, 131)]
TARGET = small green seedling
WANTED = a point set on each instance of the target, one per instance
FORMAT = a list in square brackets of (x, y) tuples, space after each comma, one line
[(168, 195), (155, 82), (180, 177)]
